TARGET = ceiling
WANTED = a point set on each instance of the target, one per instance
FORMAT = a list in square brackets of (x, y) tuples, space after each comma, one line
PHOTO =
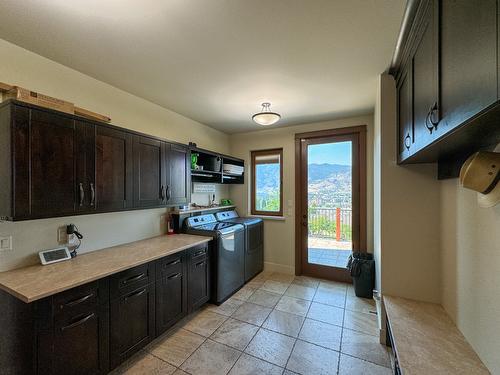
[(216, 61)]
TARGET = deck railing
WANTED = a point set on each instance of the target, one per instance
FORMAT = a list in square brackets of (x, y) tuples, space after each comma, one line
[(335, 223)]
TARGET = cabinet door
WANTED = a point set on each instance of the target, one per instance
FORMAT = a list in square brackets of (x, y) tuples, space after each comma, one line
[(425, 76), (468, 59), (131, 323), (113, 169), (53, 180), (198, 278), (85, 166), (179, 175), (405, 114), (80, 344), (149, 172), (170, 298)]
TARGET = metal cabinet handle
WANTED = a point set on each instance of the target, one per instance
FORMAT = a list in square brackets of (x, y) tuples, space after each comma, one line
[(177, 261), (79, 322), (92, 194), (162, 193), (82, 193), (199, 264), (430, 124), (135, 294), (77, 301), (168, 193), (174, 276), (408, 141), (133, 278), (433, 110), (199, 253)]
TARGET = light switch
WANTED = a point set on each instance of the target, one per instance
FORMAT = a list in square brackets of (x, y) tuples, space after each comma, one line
[(6, 243)]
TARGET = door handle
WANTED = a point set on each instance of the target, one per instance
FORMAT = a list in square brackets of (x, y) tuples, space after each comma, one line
[(82, 193), (92, 194), (168, 193)]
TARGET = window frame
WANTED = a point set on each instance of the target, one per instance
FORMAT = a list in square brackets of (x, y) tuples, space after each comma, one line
[(253, 155)]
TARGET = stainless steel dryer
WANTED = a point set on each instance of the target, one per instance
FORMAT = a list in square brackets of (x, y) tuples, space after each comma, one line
[(254, 240), (228, 267)]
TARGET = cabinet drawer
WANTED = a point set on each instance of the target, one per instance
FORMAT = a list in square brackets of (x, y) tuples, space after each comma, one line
[(170, 265), (76, 301), (130, 279), (198, 252)]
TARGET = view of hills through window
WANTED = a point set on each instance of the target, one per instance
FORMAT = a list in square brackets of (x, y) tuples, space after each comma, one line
[(329, 192), (267, 177)]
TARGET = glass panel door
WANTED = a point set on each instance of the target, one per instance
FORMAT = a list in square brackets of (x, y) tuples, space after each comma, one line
[(329, 202)]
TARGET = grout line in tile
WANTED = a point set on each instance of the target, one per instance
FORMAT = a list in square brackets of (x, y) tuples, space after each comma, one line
[(301, 326)]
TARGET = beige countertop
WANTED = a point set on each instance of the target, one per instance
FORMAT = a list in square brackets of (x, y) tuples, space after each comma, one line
[(35, 282), (427, 341)]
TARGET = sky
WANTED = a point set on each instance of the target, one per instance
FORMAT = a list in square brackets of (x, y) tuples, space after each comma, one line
[(330, 153)]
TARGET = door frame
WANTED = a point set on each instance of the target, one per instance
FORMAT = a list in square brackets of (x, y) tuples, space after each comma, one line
[(327, 272)]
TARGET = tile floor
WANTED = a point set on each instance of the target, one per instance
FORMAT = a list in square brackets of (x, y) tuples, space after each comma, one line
[(276, 324)]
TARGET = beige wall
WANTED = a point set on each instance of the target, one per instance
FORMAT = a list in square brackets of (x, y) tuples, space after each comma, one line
[(280, 234), (407, 227), (471, 269), (32, 71)]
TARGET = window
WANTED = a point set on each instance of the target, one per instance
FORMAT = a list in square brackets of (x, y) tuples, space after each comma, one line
[(267, 182)]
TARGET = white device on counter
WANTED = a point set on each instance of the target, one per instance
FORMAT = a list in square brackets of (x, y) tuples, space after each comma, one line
[(58, 254)]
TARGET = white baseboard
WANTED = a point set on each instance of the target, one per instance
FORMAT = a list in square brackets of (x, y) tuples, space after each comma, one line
[(276, 267)]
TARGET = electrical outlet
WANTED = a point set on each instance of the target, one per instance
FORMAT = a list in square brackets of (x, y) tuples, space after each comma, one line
[(62, 236), (6, 243)]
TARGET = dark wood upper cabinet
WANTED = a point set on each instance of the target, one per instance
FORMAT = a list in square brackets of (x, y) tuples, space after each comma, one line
[(52, 177), (85, 167), (452, 49), (149, 172), (178, 175), (405, 113), (468, 76), (113, 169), (425, 84)]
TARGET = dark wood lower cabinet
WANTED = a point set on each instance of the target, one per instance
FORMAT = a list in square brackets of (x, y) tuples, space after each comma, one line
[(198, 277), (132, 323), (93, 328), (171, 292)]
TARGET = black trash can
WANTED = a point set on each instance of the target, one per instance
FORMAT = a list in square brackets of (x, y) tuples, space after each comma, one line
[(362, 269)]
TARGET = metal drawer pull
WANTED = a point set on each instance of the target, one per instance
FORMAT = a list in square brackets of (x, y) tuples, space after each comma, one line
[(135, 294), (134, 278), (79, 322), (199, 253), (174, 276), (177, 261), (77, 301), (199, 264)]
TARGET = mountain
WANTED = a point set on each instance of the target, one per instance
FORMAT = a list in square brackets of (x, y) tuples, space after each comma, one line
[(318, 172)]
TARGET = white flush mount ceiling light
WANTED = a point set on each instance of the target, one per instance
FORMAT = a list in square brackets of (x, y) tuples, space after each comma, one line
[(265, 116)]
